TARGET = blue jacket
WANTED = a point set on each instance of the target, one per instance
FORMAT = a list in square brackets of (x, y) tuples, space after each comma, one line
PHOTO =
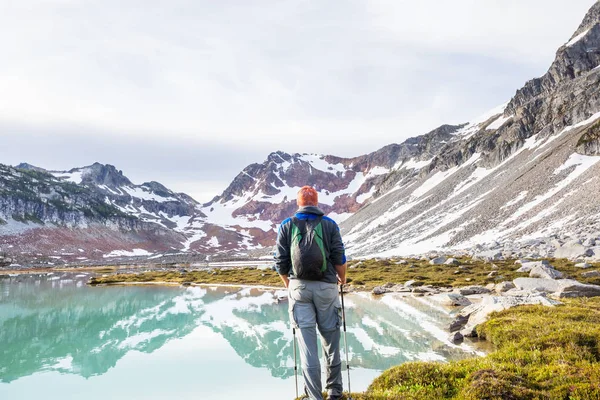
[(332, 241)]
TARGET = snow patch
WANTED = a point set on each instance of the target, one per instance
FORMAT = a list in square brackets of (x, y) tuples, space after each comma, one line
[(125, 253), (577, 38)]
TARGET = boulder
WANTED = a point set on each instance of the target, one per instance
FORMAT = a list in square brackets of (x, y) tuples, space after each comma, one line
[(456, 338), (541, 285), (545, 272), (469, 290), (583, 265), (490, 255), (377, 290), (479, 313), (571, 288), (589, 242), (451, 299), (438, 261), (452, 261), (504, 287), (409, 284), (459, 322), (529, 265), (573, 250), (590, 274)]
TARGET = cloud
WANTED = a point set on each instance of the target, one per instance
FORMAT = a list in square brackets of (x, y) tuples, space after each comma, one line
[(236, 79)]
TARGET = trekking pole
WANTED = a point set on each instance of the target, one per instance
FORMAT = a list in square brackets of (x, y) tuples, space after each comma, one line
[(295, 362), (345, 340)]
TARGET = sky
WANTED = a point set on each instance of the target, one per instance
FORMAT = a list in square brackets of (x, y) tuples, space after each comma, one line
[(189, 92)]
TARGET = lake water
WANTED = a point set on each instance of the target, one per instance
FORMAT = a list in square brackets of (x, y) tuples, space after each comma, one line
[(60, 339)]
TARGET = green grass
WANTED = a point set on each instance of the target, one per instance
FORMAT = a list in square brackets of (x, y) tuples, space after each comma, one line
[(237, 276), (364, 275)]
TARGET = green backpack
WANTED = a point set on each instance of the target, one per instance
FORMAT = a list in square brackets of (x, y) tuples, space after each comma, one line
[(309, 260)]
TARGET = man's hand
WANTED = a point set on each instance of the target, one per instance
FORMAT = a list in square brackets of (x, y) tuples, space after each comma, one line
[(341, 274), (286, 280)]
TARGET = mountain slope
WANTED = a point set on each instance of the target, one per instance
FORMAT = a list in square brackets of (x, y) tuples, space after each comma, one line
[(531, 172)]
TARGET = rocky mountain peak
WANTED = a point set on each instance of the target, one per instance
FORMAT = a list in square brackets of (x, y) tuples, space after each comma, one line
[(591, 18), (102, 174), (577, 57), (30, 167)]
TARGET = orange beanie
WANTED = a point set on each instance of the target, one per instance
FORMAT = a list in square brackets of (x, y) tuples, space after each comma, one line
[(307, 196)]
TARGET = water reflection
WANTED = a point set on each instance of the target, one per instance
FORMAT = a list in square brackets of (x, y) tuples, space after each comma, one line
[(53, 323)]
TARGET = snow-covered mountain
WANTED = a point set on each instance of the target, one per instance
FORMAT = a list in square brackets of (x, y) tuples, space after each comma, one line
[(525, 174)]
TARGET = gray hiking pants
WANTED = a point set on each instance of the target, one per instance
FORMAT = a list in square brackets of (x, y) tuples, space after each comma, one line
[(316, 304)]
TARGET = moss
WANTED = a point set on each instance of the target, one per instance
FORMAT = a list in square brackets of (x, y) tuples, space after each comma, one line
[(541, 353)]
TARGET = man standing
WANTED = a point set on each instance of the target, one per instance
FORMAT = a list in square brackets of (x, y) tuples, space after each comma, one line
[(311, 261)]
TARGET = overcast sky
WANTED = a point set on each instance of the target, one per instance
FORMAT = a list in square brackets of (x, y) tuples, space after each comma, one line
[(189, 92)]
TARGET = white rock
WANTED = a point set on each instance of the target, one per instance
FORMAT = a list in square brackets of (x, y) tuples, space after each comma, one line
[(504, 287), (438, 261), (583, 265), (452, 261), (573, 250), (451, 299), (576, 289), (545, 272), (542, 285), (590, 274), (528, 266)]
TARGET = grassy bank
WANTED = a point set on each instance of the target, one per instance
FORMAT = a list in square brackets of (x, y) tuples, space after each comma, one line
[(541, 353), (363, 275)]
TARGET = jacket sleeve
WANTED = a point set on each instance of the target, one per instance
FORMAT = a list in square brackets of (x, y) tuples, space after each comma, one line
[(337, 253), (283, 260)]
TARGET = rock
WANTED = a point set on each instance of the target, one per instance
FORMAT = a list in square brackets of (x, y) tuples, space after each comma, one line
[(379, 290), (478, 313), (469, 290), (545, 272), (438, 261), (490, 255), (504, 287), (388, 285), (573, 250), (452, 261), (425, 290), (583, 265), (468, 279), (490, 286), (459, 322), (451, 299), (494, 267), (402, 262), (456, 338), (541, 285), (528, 266), (409, 284), (521, 262), (399, 289), (590, 274), (186, 284), (469, 331), (571, 289), (492, 274), (589, 242)]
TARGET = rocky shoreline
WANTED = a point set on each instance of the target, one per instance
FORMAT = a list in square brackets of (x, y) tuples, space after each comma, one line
[(544, 286)]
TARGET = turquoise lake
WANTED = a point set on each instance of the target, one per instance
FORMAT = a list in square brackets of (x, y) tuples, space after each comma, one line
[(60, 339)]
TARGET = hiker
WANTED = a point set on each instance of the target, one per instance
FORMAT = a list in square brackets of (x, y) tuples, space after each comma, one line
[(311, 270)]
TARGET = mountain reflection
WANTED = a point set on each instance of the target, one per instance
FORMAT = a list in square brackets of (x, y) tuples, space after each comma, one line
[(51, 323)]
